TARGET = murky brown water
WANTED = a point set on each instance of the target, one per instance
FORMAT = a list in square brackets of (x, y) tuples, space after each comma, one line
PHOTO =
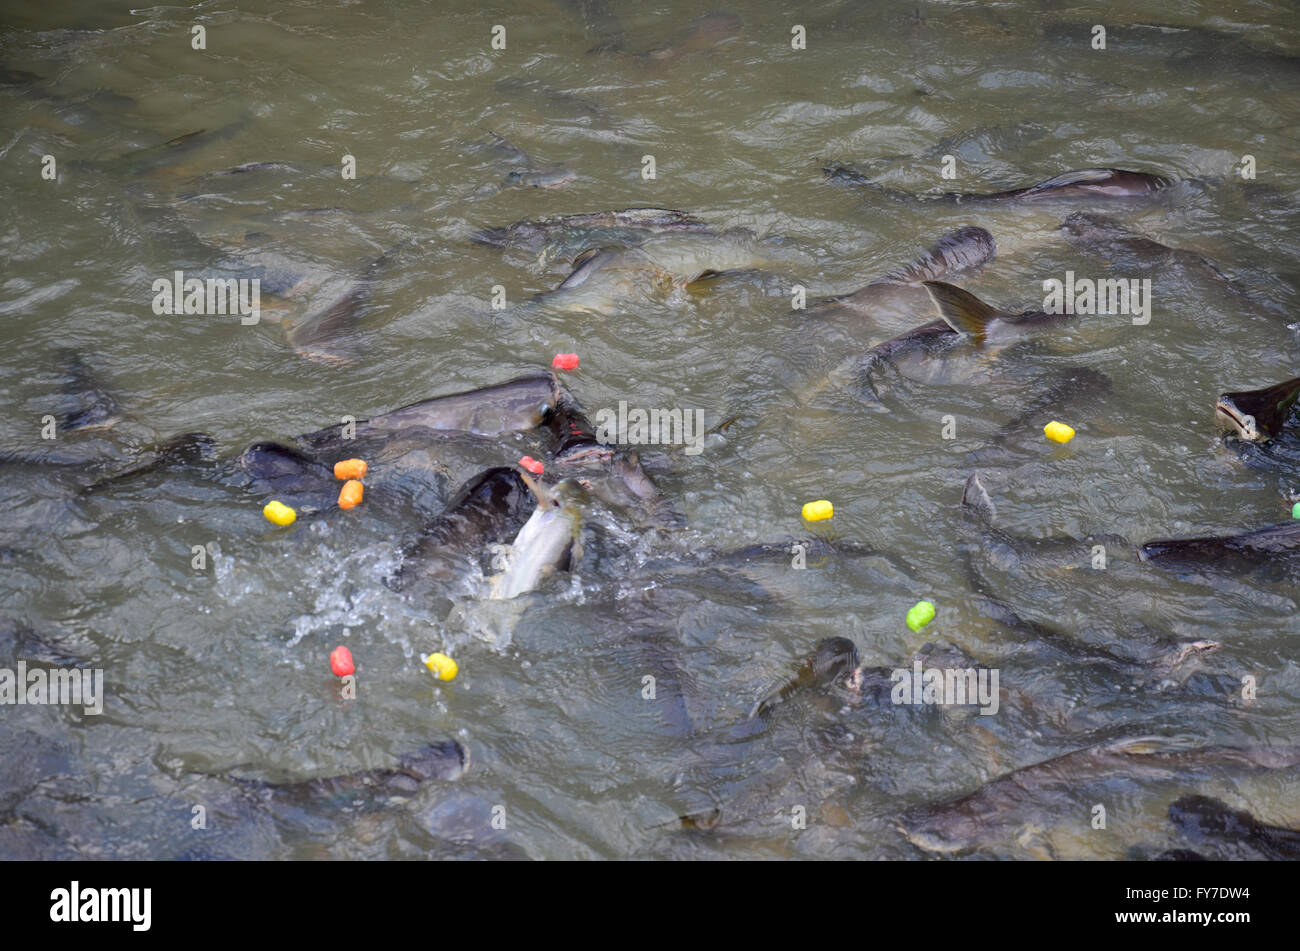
[(222, 671)]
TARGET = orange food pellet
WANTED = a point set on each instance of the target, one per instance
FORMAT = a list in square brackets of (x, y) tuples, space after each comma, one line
[(532, 465), (565, 361), (350, 469), (351, 493)]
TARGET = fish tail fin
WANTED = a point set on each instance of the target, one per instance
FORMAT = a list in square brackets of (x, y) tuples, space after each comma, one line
[(962, 310)]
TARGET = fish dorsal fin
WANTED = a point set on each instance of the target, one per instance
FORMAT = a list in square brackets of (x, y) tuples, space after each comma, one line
[(1081, 176), (961, 250), (975, 497), (962, 310)]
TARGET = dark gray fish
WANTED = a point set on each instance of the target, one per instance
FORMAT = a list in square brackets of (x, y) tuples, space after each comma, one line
[(1093, 184), (628, 227), (169, 154), (293, 477), (1195, 49), (90, 405), (517, 405), (957, 252), (443, 761), (1126, 250), (529, 173), (75, 113), (600, 22), (19, 641), (1146, 658), (963, 318), (1008, 551), (1277, 547), (489, 509), (1071, 393), (185, 450), (557, 104), (833, 659), (1202, 818), (329, 334), (1259, 415), (703, 34), (1045, 794)]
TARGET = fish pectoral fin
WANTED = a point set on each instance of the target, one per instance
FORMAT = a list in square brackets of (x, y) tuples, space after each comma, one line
[(962, 310), (1082, 176)]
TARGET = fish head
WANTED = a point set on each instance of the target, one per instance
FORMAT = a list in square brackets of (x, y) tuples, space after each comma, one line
[(834, 659), (567, 494), (1258, 415), (550, 177), (445, 760), (1243, 424)]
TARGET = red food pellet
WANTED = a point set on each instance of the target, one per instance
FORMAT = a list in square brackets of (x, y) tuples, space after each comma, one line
[(532, 465), (565, 361), (341, 661)]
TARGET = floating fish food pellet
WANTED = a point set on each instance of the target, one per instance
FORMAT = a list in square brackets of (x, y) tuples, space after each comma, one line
[(565, 361), (816, 511), (341, 661), (921, 614), (532, 465), (1295, 510), (441, 666), (279, 513), (351, 493), (1058, 432), (350, 469)]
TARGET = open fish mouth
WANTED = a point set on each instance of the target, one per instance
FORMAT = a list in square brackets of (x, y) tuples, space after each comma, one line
[(1242, 423)]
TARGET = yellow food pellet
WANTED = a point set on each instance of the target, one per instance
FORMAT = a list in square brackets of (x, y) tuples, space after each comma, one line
[(816, 511), (279, 513), (441, 666), (1058, 432)]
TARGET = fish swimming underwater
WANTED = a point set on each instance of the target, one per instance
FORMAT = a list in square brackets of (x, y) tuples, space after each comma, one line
[(444, 761), (1045, 795), (1208, 821)]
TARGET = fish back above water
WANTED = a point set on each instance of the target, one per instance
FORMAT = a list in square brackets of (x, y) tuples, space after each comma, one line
[(517, 405), (1097, 184), (965, 249), (1276, 544), (627, 227)]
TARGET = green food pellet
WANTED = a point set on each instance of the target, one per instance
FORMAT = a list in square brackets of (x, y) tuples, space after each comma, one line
[(1295, 510), (922, 613)]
